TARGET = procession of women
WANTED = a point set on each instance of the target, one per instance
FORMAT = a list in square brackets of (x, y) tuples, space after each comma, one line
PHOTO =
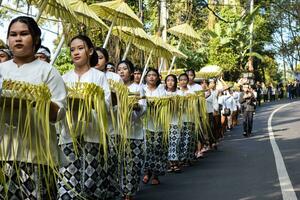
[(102, 129), (93, 133)]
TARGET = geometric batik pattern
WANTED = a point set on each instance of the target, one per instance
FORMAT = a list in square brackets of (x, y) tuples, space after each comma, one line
[(111, 183), (174, 142), (83, 174), (211, 131), (132, 168), (156, 154), (188, 141), (27, 181)]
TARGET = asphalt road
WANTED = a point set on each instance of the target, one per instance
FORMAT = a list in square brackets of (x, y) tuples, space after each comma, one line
[(242, 168)]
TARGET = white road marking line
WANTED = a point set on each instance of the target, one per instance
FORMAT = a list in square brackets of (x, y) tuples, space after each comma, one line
[(286, 186)]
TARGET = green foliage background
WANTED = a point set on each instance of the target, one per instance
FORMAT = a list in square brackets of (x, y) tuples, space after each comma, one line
[(225, 38)]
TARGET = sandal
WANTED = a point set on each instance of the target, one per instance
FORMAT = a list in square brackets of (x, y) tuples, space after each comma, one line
[(171, 169), (146, 178), (155, 181), (127, 197), (200, 155), (176, 169)]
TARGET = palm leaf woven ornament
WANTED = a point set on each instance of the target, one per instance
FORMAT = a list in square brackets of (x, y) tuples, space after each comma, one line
[(122, 118), (210, 71), (85, 14), (161, 50), (119, 13), (86, 109), (68, 11), (25, 129), (183, 32), (176, 52), (161, 110), (60, 9), (136, 36)]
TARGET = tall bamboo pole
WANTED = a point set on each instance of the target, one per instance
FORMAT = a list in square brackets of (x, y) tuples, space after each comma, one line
[(58, 49)]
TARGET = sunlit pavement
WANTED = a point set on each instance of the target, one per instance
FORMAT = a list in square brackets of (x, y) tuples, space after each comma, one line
[(242, 168)]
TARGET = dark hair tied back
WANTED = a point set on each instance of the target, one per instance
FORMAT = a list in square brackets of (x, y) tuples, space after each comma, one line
[(175, 81), (90, 45), (183, 74), (190, 70), (33, 28), (128, 63), (104, 52), (150, 69)]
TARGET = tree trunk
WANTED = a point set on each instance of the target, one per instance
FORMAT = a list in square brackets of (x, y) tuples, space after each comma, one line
[(211, 16), (250, 61), (163, 24)]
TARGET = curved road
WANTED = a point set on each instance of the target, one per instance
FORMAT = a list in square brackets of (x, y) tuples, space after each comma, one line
[(242, 168)]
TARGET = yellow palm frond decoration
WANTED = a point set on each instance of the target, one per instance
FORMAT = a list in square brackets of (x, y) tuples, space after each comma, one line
[(122, 121), (136, 36), (87, 109), (117, 12), (159, 110), (2, 44), (85, 14), (210, 71), (60, 9), (162, 49), (176, 52), (200, 101), (25, 127), (184, 31)]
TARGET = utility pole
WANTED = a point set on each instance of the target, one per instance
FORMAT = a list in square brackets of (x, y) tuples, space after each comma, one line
[(250, 60)]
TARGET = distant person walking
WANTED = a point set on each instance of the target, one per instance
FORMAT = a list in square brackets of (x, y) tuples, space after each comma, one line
[(247, 101)]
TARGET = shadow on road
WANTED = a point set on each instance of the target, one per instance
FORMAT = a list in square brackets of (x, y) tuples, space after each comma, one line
[(242, 168)]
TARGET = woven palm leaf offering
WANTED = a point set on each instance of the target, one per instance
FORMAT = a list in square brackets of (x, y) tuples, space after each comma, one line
[(210, 71), (25, 129), (177, 108), (159, 111), (126, 102), (87, 111), (201, 122)]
